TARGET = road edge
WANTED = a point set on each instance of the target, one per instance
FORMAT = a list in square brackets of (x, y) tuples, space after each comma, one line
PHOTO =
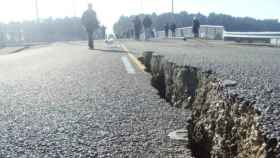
[(133, 58)]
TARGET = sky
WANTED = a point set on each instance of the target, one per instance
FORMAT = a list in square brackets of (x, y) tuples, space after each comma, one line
[(108, 11)]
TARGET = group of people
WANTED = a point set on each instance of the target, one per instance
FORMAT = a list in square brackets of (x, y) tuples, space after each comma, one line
[(147, 24), (172, 28), (90, 23)]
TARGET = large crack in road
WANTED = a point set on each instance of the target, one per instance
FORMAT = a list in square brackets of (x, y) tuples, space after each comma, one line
[(223, 124)]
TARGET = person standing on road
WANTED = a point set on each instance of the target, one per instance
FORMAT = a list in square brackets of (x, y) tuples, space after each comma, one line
[(173, 29), (196, 27), (90, 22), (147, 23), (137, 27), (166, 30)]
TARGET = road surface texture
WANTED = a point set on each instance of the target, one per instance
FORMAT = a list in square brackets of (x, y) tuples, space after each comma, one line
[(64, 100), (254, 69)]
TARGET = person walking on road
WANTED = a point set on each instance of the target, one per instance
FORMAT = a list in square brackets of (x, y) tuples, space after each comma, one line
[(166, 30), (90, 22), (147, 23), (196, 27)]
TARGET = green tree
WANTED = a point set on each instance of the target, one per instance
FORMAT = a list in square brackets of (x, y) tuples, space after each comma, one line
[(184, 19)]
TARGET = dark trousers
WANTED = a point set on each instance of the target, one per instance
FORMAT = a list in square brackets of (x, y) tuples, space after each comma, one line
[(137, 36), (166, 33), (90, 39), (196, 32), (173, 33)]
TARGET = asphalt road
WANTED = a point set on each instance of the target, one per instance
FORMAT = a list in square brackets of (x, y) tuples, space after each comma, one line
[(254, 68), (64, 100)]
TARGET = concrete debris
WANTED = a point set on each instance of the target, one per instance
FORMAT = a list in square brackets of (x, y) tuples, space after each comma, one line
[(229, 83), (179, 135)]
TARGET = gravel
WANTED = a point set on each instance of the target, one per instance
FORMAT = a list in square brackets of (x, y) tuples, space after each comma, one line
[(67, 101), (254, 69)]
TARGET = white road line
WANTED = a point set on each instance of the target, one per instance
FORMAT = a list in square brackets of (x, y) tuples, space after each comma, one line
[(129, 68)]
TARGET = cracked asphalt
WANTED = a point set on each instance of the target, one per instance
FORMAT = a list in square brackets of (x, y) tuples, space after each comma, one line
[(254, 68), (64, 100)]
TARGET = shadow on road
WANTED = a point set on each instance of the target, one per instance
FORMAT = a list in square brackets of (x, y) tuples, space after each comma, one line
[(110, 50)]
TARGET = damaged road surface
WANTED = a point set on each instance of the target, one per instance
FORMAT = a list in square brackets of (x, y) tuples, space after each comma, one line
[(232, 91), (67, 101)]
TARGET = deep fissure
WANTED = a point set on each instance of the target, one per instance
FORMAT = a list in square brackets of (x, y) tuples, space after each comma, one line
[(221, 125)]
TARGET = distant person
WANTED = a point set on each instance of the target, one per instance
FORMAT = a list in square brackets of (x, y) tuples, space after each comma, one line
[(147, 23), (173, 29), (153, 33), (131, 33), (196, 27), (103, 32), (117, 36), (166, 30), (137, 27), (90, 22)]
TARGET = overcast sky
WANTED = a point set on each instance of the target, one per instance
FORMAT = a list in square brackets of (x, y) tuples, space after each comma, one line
[(108, 11)]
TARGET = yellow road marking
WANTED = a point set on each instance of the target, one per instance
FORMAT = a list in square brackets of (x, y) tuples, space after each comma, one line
[(129, 68), (134, 59)]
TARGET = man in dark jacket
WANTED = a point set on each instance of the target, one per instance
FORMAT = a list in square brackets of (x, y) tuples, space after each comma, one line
[(90, 23), (166, 30), (196, 27), (173, 29), (137, 27), (147, 23)]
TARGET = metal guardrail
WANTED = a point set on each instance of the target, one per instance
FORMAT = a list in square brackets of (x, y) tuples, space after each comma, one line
[(211, 32), (218, 33), (275, 42), (272, 38), (252, 36), (253, 33)]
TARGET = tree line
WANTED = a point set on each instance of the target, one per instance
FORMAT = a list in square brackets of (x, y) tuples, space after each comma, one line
[(184, 19), (47, 30)]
